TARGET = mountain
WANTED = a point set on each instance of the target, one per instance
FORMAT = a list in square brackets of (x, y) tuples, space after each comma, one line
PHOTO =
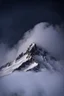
[(33, 59)]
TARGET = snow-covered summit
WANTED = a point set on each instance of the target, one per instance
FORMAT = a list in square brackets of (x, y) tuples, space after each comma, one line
[(34, 59)]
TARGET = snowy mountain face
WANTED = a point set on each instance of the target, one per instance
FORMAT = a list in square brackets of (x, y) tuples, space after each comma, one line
[(34, 59)]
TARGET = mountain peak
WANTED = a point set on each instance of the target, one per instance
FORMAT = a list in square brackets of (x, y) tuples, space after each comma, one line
[(34, 59), (32, 47)]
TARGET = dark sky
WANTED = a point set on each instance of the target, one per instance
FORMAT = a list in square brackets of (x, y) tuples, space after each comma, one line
[(16, 17)]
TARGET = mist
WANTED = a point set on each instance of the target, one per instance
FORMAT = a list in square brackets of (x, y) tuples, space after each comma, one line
[(47, 36), (7, 54), (42, 83)]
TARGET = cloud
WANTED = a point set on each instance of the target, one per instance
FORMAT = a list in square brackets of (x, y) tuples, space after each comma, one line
[(29, 83), (47, 36), (32, 84), (7, 54)]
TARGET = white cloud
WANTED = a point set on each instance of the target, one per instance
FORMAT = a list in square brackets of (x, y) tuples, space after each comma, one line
[(48, 84), (51, 38)]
